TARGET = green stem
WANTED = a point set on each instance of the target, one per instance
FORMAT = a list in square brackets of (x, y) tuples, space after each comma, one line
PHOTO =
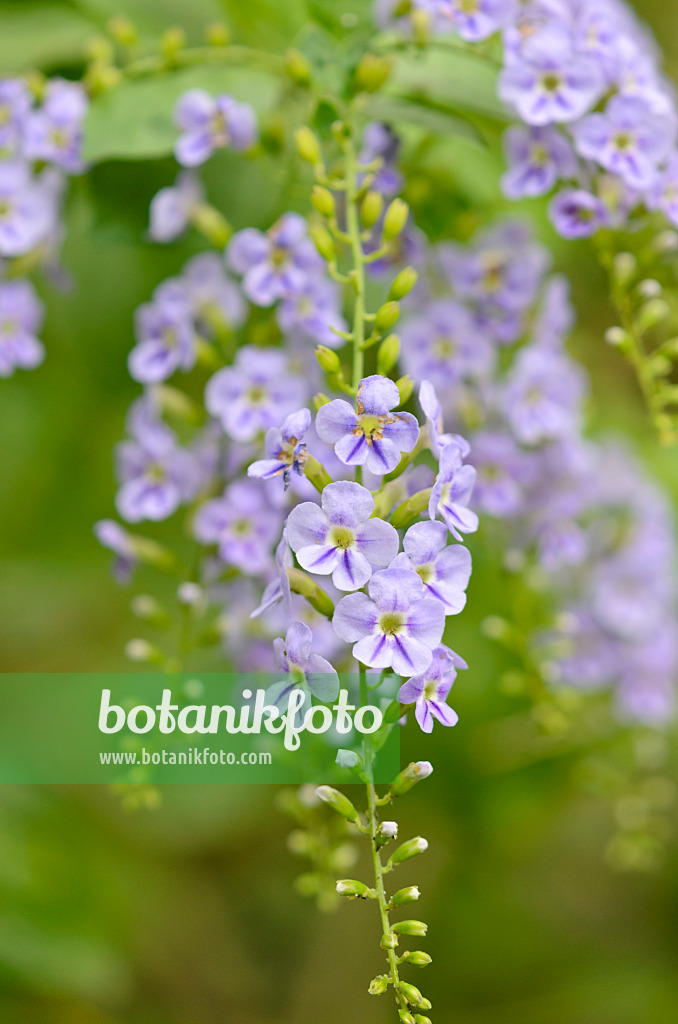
[(159, 63), (358, 257)]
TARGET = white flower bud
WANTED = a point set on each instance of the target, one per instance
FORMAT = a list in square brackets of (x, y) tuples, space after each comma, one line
[(388, 830)]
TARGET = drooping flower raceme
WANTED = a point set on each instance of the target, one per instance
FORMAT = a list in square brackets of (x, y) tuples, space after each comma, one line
[(340, 538), (370, 435)]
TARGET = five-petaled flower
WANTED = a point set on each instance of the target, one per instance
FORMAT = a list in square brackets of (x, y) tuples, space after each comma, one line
[(210, 123), (340, 538), (445, 570), (307, 671), (371, 435), (428, 692), (452, 491), (285, 449), (396, 626)]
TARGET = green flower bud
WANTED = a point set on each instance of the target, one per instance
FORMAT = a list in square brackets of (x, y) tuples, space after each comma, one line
[(404, 283), (650, 289), (123, 31), (624, 268), (308, 146), (147, 608), (406, 1017), (402, 9), (218, 34), (409, 849), (328, 359), (372, 73), (371, 209), (142, 651), (302, 584), (98, 50), (352, 888), (338, 802), (388, 353), (410, 894), (211, 223), (420, 1019), (151, 553), (395, 219), (349, 759), (323, 242), (421, 26), (418, 928), (651, 314), (387, 316), (416, 770), (404, 516), (172, 40), (418, 958), (618, 337), (389, 941), (323, 201), (411, 993), (379, 985), (405, 388), (298, 68), (319, 400)]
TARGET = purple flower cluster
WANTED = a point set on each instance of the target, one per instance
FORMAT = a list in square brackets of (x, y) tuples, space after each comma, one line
[(584, 81), (595, 535), (40, 143)]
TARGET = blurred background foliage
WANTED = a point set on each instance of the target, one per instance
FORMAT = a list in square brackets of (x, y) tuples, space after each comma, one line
[(186, 914)]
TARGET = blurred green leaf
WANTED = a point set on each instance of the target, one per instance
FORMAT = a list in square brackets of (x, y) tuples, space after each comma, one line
[(135, 119), (41, 35)]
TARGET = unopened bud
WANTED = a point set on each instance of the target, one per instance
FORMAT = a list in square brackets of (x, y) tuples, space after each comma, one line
[(624, 267), (387, 316), (618, 337), (421, 26), (328, 359), (651, 314), (409, 849), (404, 283), (417, 928), (349, 759), (337, 801), (371, 209), (218, 34), (141, 651), (388, 353), (410, 894), (666, 242), (372, 72), (123, 31), (323, 201), (418, 958), (145, 607), (172, 40), (319, 400), (323, 242), (406, 1017), (387, 830), (420, 1019), (650, 289), (298, 68), (191, 594), (352, 888), (395, 219), (405, 387), (415, 772), (379, 985), (411, 993), (302, 584), (308, 146), (389, 941)]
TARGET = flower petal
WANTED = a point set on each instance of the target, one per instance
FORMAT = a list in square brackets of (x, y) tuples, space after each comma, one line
[(306, 524), (333, 420), (377, 541), (354, 616), (352, 570)]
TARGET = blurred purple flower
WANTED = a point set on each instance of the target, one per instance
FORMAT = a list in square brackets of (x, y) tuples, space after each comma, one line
[(53, 132), (211, 123), (277, 264), (171, 208), (21, 315), (243, 525), (538, 158), (627, 139), (577, 214), (165, 335)]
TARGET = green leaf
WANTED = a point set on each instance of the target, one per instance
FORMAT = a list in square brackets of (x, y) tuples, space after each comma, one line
[(134, 120), (37, 35)]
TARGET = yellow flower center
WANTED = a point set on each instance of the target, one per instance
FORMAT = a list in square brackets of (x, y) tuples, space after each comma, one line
[(391, 623), (342, 537)]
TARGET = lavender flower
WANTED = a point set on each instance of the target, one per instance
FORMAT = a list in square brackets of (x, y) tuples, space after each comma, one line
[(166, 336), (664, 194), (15, 104), (278, 591), (372, 436), (543, 395), (172, 208), (396, 626), (54, 132), (428, 692), (211, 123), (214, 298), (477, 19), (285, 449), (445, 570), (308, 671), (549, 82), (381, 143), (156, 475), (313, 310), (444, 345), (627, 139), (113, 536), (21, 316), (428, 400), (277, 264), (577, 214), (26, 213), (242, 524), (253, 394), (502, 468), (341, 538), (537, 158), (451, 493)]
